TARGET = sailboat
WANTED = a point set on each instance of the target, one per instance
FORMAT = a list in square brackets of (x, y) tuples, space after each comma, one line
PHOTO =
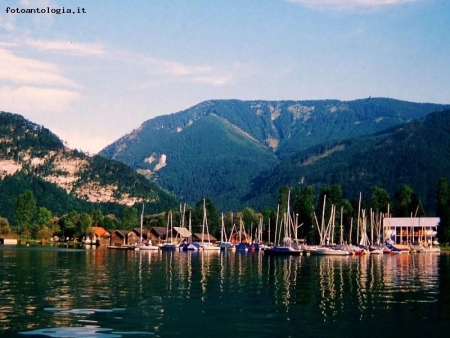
[(327, 236), (189, 245), (225, 244), (169, 245), (207, 245), (141, 245), (287, 245)]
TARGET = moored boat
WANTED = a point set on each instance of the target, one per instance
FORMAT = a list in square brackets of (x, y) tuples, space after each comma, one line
[(399, 248), (327, 251)]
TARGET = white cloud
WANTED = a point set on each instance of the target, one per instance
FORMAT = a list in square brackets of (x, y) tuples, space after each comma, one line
[(164, 67), (67, 47), (28, 99), (22, 70), (6, 22), (167, 72)]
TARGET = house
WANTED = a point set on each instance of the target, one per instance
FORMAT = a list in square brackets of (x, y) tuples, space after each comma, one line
[(8, 241), (119, 238)]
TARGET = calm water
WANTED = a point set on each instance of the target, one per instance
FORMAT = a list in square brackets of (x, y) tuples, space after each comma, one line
[(113, 293)]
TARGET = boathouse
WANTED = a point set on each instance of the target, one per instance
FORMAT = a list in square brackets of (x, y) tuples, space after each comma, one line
[(100, 235), (411, 230), (157, 235), (199, 237), (119, 238), (8, 241)]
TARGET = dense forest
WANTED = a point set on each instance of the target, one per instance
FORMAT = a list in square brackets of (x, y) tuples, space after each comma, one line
[(416, 153), (225, 149)]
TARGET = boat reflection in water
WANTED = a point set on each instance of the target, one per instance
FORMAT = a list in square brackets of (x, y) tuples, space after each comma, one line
[(172, 293)]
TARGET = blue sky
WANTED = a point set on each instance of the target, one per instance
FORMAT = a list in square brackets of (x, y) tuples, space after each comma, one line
[(92, 78)]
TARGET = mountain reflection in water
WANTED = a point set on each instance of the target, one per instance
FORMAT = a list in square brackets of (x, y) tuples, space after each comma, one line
[(114, 293)]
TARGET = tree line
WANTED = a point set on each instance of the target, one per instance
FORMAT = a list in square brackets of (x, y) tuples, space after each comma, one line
[(308, 209)]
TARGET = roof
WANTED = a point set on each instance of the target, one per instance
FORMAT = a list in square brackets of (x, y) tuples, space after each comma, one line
[(206, 237), (183, 232), (405, 222), (99, 231), (122, 233), (159, 231), (138, 231)]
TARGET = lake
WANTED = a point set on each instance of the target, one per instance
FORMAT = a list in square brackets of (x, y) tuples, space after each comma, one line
[(64, 292)]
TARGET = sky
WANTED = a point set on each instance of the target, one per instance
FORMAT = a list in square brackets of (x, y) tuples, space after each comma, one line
[(94, 76)]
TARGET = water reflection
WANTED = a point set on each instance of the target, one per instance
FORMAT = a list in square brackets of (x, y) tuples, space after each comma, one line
[(167, 293)]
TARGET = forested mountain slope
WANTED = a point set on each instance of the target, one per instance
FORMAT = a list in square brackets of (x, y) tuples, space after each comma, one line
[(416, 153), (33, 158), (218, 148)]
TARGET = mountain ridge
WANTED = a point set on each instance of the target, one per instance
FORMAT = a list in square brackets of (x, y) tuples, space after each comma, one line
[(31, 154), (281, 128)]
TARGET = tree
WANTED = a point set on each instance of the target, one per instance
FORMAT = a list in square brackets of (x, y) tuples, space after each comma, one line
[(303, 206), (5, 228), (443, 209), (45, 233), (110, 222), (251, 220), (283, 195), (43, 217), (97, 217), (380, 199), (67, 225), (25, 208), (129, 218), (83, 224), (404, 198), (212, 215)]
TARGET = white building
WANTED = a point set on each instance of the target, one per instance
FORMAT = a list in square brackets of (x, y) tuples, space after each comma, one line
[(403, 230)]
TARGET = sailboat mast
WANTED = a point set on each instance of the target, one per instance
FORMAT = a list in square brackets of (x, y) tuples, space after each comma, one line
[(142, 223), (204, 219)]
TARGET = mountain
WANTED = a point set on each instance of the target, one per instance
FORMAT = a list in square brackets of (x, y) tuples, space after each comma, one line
[(416, 153), (33, 158), (219, 148)]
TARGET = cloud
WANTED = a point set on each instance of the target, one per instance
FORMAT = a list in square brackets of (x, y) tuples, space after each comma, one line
[(6, 22), (67, 47), (164, 67), (28, 71), (36, 99), (169, 72), (349, 3)]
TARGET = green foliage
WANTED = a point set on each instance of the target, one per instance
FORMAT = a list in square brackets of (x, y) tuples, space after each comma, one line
[(129, 218), (416, 154), (5, 228), (404, 201), (230, 150), (443, 209), (24, 212), (45, 233), (43, 217), (303, 205), (380, 200), (22, 140), (210, 216)]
